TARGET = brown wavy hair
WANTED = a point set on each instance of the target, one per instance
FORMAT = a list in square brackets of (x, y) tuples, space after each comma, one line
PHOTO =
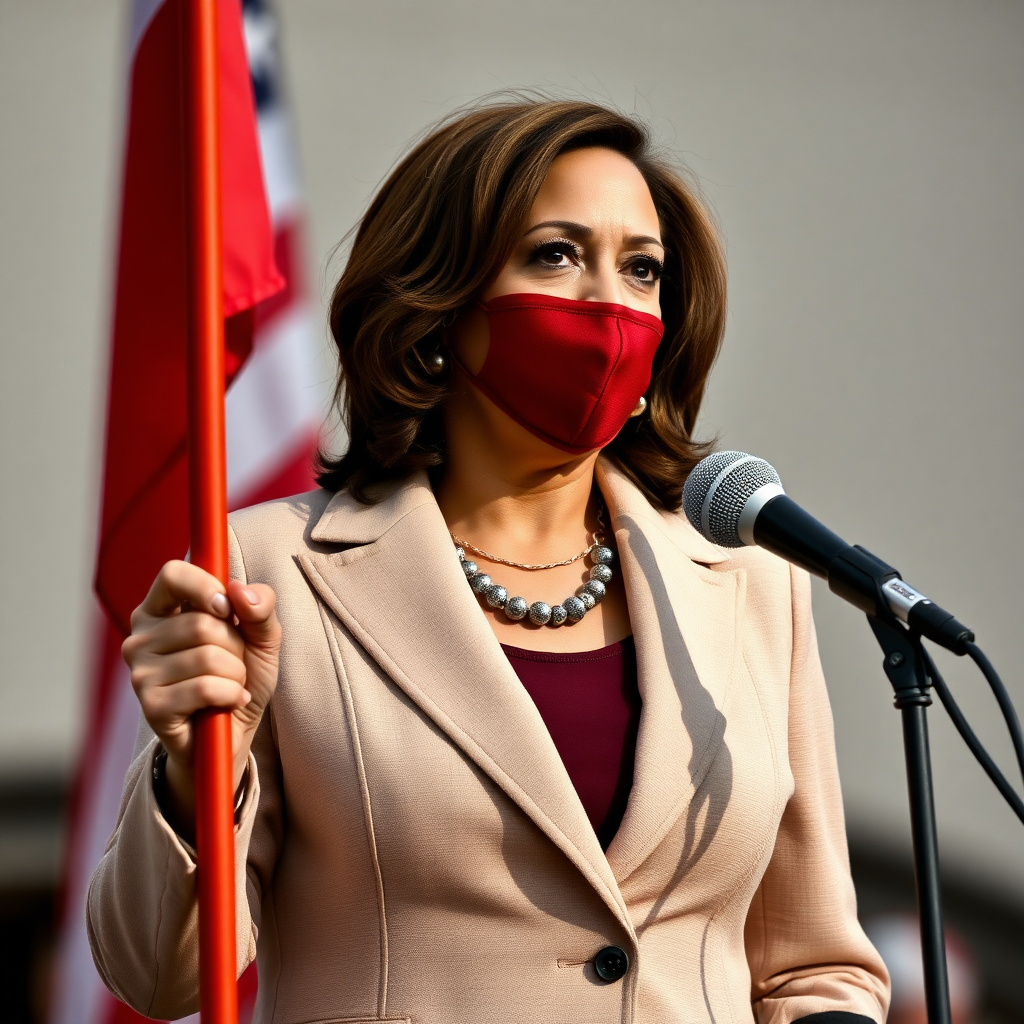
[(440, 229)]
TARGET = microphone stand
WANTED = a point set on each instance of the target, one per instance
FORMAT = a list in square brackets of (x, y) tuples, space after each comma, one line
[(905, 669)]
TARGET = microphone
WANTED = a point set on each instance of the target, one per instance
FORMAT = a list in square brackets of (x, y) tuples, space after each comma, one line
[(733, 499)]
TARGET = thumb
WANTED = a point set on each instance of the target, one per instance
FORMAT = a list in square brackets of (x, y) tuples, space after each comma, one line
[(255, 607)]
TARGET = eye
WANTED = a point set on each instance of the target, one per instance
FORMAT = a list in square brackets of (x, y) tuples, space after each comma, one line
[(556, 254), (645, 269)]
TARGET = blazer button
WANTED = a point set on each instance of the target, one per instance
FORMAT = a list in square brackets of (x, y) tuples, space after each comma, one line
[(611, 963)]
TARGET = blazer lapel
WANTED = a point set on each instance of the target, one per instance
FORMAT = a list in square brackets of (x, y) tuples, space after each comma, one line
[(684, 627), (402, 594)]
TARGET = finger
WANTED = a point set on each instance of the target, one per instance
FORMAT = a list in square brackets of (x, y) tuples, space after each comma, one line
[(159, 637), (209, 660), (172, 705), (255, 606), (190, 629), (180, 582)]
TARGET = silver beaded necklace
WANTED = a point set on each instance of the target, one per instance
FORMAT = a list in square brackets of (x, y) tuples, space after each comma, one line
[(540, 613)]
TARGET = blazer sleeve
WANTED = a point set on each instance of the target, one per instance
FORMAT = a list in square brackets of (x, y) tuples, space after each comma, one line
[(141, 909), (807, 952)]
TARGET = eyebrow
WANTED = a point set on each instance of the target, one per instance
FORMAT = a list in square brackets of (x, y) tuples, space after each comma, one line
[(571, 227)]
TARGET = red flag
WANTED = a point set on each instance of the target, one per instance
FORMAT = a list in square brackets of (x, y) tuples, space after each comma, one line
[(144, 520), (273, 407)]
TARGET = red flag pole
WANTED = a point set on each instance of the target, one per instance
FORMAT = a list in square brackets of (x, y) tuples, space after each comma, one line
[(218, 991)]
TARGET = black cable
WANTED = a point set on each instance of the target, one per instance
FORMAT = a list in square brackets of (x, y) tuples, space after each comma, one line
[(1005, 704), (972, 741)]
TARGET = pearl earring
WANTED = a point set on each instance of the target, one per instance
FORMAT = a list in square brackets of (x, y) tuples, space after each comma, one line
[(436, 363), (640, 406)]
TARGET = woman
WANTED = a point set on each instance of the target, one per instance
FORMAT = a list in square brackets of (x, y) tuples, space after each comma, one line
[(537, 751)]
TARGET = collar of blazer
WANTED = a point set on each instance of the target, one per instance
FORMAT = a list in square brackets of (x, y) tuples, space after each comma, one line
[(397, 587)]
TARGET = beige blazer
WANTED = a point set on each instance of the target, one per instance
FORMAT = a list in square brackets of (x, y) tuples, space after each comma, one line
[(411, 847)]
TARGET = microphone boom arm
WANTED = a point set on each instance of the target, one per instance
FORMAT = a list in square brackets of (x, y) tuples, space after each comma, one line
[(853, 573)]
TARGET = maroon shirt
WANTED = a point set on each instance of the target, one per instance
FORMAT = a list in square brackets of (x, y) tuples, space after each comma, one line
[(590, 702)]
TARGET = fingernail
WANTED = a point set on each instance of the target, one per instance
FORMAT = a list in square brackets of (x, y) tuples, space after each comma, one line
[(220, 605), (251, 596)]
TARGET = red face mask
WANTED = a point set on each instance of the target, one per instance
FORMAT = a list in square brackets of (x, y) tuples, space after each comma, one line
[(570, 372)]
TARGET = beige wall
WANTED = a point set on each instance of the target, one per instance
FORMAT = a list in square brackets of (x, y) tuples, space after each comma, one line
[(865, 161), (60, 97)]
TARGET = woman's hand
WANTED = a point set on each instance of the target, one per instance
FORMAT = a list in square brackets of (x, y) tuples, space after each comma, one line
[(185, 653)]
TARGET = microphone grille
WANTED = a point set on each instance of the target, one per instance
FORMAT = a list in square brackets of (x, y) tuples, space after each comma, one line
[(717, 491)]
